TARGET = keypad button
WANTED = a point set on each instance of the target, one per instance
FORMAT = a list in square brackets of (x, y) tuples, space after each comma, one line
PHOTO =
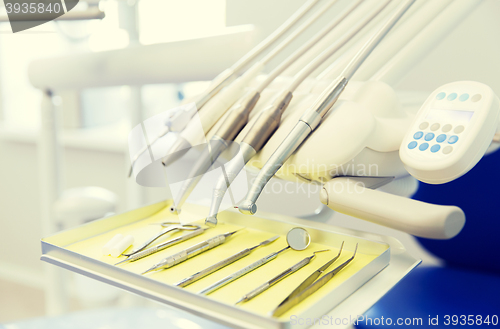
[(458, 129), (424, 125), (441, 138), (435, 126), (452, 96), (446, 128), (429, 136), (435, 148), (418, 135), (412, 145), (453, 139), (447, 150), (440, 96), (423, 146), (476, 98), (463, 97)]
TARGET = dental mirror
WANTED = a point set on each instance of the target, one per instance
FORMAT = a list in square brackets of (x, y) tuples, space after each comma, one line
[(298, 238)]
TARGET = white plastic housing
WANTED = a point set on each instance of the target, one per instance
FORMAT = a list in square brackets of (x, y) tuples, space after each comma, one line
[(451, 132), (418, 218)]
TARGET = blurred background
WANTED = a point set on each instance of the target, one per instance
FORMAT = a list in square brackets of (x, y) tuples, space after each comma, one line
[(95, 120)]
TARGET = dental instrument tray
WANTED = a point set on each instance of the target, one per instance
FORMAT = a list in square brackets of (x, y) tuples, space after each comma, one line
[(379, 264)]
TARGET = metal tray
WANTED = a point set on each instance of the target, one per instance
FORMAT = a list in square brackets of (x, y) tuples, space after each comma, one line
[(79, 250)]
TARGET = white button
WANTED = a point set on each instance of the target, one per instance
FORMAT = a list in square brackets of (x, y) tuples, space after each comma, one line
[(424, 125), (447, 150), (446, 128), (476, 98), (435, 126), (459, 129)]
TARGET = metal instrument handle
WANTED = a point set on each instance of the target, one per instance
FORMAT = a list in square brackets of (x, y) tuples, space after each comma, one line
[(219, 265), (164, 245)]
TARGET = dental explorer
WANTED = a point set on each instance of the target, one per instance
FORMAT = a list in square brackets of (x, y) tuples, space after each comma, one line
[(144, 253), (297, 238), (239, 113), (263, 287), (312, 117), (217, 266), (269, 119), (309, 286), (190, 252), (215, 109)]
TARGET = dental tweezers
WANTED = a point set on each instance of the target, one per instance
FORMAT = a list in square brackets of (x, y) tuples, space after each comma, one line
[(309, 286)]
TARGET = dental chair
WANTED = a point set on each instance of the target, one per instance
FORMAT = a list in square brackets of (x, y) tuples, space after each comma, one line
[(468, 284)]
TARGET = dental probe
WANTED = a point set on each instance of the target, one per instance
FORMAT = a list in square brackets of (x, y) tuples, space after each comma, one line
[(162, 246), (190, 252), (239, 113), (260, 289), (217, 266), (213, 110), (269, 119), (312, 117)]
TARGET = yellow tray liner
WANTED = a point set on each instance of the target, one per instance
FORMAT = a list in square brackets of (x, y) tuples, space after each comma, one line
[(262, 304)]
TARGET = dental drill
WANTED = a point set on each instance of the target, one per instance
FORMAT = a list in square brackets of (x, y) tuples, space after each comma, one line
[(269, 119), (220, 103), (312, 117), (239, 114)]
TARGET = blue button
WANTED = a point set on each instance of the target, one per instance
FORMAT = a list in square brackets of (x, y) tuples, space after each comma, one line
[(441, 138), (429, 136), (463, 97), (440, 96), (435, 148), (418, 135), (452, 96), (453, 139), (412, 145), (423, 146)]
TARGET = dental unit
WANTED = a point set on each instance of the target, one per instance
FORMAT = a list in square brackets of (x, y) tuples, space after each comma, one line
[(323, 117)]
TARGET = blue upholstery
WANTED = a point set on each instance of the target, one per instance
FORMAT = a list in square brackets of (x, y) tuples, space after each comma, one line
[(469, 284)]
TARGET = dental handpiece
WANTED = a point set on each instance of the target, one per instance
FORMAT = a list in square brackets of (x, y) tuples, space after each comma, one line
[(162, 246), (311, 119), (260, 289), (216, 108), (190, 252), (269, 119), (239, 113), (242, 272), (217, 266)]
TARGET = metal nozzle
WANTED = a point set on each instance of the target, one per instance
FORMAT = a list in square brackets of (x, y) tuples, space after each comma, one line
[(247, 207), (211, 221)]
